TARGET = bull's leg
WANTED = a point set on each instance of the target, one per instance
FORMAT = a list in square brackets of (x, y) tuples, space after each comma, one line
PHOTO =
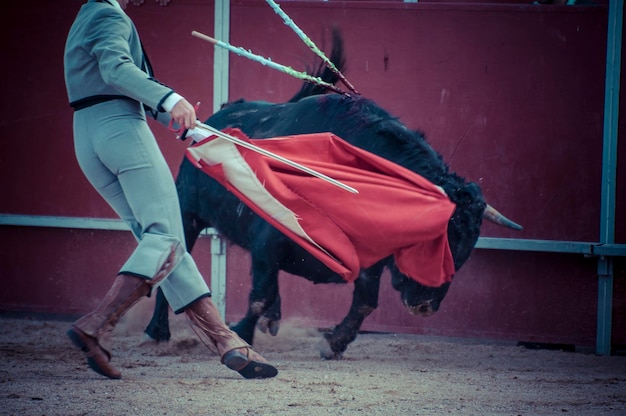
[(267, 321), (263, 294), (270, 321), (245, 327), (364, 302), (159, 328)]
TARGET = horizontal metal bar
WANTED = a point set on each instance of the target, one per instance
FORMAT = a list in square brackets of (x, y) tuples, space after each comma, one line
[(552, 246), (63, 222), (610, 250), (72, 222), (534, 245), (489, 243)]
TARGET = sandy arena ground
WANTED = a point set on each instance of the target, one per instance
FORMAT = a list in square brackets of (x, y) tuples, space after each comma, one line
[(381, 374)]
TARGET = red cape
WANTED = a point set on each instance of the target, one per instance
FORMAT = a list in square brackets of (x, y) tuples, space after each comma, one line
[(396, 212)]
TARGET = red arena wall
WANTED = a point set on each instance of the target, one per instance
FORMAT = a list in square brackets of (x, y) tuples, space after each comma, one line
[(511, 95)]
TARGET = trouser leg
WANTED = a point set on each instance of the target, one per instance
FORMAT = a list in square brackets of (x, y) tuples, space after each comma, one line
[(119, 156), (121, 159)]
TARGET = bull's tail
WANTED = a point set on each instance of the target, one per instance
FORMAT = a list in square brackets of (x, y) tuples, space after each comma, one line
[(337, 57)]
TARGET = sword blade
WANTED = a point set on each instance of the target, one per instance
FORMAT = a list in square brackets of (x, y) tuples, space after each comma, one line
[(274, 156)]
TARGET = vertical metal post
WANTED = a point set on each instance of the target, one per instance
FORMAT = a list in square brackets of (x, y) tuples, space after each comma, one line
[(220, 56), (605, 298), (220, 96), (218, 272), (609, 169)]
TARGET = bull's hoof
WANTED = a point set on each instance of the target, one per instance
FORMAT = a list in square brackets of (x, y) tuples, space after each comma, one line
[(148, 340), (327, 353), (266, 325), (158, 333), (156, 337)]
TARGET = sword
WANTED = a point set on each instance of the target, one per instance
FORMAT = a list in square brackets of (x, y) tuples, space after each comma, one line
[(274, 156)]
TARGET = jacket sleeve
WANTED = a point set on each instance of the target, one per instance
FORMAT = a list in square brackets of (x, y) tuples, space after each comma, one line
[(109, 41)]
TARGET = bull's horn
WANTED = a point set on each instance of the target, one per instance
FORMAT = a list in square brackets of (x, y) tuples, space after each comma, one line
[(493, 215)]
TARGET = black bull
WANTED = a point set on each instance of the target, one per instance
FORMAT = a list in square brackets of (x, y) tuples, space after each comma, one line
[(206, 203)]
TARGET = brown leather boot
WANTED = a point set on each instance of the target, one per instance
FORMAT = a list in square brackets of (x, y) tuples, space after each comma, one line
[(235, 353), (92, 332)]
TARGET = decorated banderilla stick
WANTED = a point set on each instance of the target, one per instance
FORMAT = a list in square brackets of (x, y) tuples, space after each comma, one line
[(257, 58), (274, 156), (289, 22)]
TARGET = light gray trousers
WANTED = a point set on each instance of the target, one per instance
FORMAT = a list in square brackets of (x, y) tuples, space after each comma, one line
[(118, 154)]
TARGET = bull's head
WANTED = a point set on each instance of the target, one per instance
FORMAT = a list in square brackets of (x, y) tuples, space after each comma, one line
[(463, 233)]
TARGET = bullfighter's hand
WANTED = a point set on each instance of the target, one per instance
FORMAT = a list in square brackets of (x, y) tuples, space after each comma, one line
[(196, 135), (184, 114)]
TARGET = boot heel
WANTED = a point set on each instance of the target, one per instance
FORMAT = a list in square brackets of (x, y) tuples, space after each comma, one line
[(250, 369)]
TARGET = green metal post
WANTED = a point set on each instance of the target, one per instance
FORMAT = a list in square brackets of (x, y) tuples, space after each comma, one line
[(609, 169)]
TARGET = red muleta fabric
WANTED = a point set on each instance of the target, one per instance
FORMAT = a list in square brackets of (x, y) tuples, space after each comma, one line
[(396, 212)]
